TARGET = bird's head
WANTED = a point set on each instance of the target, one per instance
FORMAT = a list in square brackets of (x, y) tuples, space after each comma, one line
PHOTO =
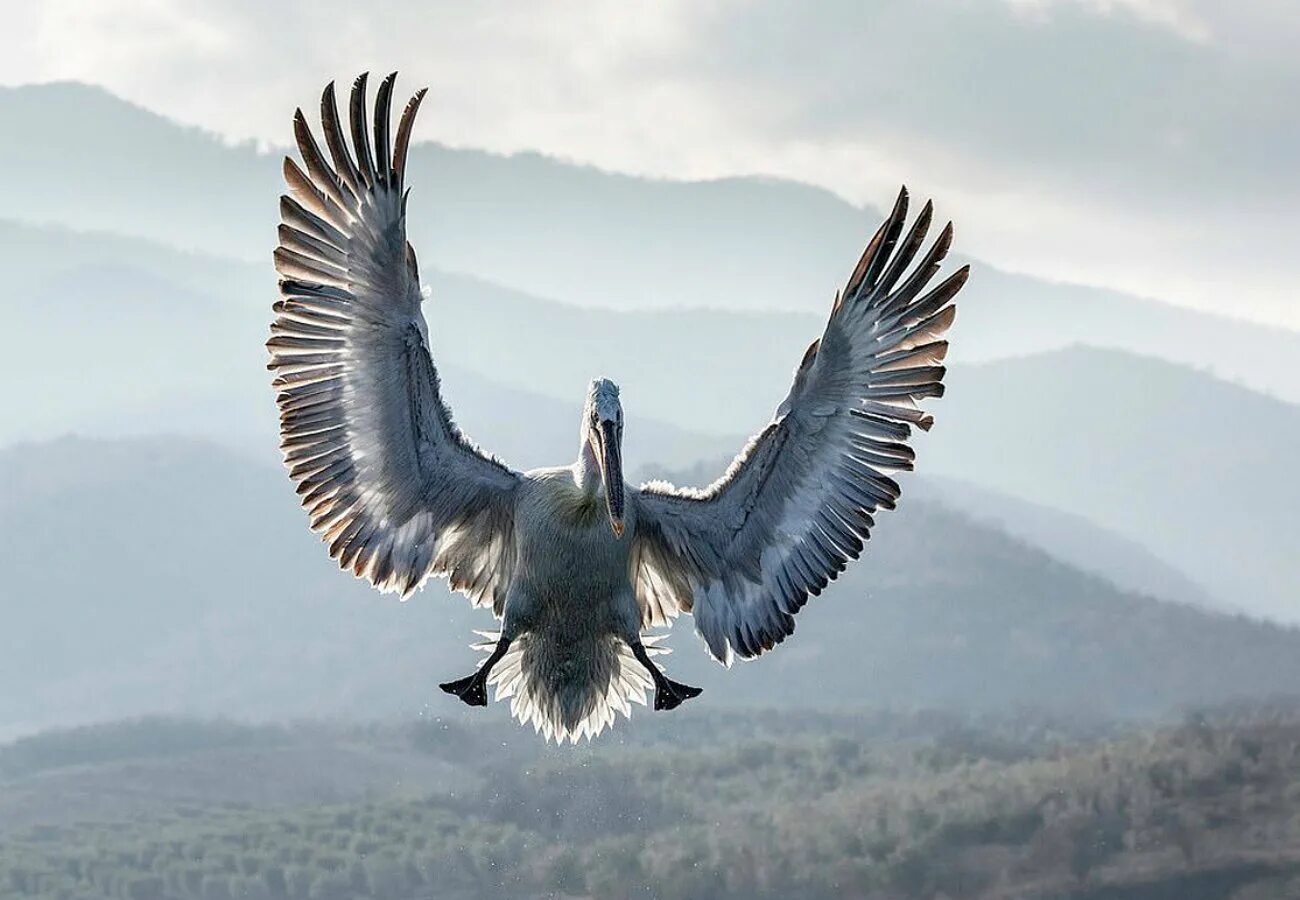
[(602, 440)]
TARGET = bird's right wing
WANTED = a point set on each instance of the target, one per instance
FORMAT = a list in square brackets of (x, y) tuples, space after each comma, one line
[(798, 503), (390, 483)]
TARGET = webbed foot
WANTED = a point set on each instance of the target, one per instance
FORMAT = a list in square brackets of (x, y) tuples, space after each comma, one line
[(472, 689), (669, 694)]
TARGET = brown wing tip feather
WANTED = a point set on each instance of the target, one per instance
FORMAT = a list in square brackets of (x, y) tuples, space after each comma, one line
[(945, 240), (810, 354), (876, 253), (900, 204)]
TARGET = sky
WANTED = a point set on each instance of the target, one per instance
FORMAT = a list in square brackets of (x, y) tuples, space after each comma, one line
[(1146, 145)]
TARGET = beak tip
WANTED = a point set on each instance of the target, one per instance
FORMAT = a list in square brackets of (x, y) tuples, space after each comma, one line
[(618, 527)]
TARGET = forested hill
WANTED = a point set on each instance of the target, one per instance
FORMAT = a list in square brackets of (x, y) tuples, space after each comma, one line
[(701, 808)]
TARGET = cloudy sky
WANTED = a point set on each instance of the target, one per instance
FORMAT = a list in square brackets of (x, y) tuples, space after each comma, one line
[(1149, 145)]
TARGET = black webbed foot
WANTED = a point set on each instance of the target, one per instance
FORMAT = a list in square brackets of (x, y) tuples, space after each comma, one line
[(669, 694), (472, 689)]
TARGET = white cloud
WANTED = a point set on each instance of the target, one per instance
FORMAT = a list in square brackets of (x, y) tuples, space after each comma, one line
[(1178, 16)]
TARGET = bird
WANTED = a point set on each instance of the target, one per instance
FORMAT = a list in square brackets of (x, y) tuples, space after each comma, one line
[(581, 570)]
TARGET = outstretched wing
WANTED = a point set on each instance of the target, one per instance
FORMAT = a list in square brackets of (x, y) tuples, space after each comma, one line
[(390, 483), (744, 554)]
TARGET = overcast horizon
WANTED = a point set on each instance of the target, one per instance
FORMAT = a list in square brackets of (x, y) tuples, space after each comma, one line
[(1151, 152)]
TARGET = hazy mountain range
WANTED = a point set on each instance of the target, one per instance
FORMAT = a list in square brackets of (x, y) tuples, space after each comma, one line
[(1199, 471), (121, 337), (169, 575), (551, 229), (1069, 537)]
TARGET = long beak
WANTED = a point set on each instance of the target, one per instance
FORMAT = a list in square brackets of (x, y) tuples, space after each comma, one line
[(611, 470)]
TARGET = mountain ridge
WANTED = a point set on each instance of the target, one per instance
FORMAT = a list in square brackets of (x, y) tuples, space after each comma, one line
[(194, 585), (1179, 460), (579, 234), (695, 385)]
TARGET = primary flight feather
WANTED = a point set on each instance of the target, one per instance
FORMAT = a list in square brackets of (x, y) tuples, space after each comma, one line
[(576, 564)]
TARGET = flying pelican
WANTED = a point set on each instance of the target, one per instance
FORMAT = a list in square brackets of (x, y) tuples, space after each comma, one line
[(575, 564)]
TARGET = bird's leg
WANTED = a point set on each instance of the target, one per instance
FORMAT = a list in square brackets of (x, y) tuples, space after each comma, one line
[(473, 688), (669, 694)]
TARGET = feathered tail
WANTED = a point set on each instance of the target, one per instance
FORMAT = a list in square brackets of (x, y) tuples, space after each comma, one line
[(566, 694)]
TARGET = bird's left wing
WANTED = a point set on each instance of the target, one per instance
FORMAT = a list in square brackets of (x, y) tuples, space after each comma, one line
[(744, 554), (390, 483)]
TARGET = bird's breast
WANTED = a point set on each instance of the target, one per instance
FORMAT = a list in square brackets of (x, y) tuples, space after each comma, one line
[(565, 540)]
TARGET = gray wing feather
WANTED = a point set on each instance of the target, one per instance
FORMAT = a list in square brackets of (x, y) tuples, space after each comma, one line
[(798, 503), (390, 483)]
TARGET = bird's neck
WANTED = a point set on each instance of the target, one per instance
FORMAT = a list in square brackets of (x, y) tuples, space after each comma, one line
[(586, 471)]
